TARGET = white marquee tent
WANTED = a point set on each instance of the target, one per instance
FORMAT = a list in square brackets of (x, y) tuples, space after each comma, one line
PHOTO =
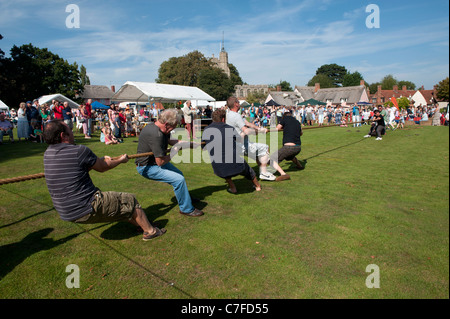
[(155, 92), (3, 107), (61, 98)]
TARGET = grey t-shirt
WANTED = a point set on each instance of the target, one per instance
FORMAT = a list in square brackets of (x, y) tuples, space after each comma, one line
[(235, 120), (151, 140)]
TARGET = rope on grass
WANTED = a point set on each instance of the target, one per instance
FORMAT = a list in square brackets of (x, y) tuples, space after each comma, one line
[(21, 179)]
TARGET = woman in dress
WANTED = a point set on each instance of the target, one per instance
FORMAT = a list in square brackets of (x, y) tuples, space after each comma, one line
[(22, 122)]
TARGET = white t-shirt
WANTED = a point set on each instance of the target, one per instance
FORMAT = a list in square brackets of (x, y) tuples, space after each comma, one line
[(235, 120)]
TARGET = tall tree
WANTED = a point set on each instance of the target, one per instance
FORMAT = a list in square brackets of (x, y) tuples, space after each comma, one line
[(333, 71), (352, 79), (443, 90), (324, 81), (84, 77), (388, 82), (216, 83), (409, 85), (183, 70), (33, 72), (285, 86)]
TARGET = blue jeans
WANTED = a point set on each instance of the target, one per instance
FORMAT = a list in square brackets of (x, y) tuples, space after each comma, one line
[(170, 174)]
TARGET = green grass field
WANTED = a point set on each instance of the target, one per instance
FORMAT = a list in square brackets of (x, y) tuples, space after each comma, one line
[(358, 202)]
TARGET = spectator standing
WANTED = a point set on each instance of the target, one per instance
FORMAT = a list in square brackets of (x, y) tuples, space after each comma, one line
[(23, 130), (84, 120), (67, 115), (188, 112), (57, 109), (88, 110)]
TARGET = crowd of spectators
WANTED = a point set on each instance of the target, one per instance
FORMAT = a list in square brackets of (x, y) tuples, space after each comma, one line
[(116, 123), (309, 115)]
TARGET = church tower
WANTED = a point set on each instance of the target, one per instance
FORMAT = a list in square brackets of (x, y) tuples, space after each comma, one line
[(222, 62)]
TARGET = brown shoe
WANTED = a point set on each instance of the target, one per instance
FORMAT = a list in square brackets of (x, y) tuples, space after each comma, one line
[(195, 213), (283, 178)]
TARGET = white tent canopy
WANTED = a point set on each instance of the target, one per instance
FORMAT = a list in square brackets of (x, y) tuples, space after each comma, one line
[(216, 104), (59, 97), (3, 107), (155, 92)]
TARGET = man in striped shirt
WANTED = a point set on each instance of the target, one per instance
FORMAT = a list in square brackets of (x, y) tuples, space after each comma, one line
[(73, 193)]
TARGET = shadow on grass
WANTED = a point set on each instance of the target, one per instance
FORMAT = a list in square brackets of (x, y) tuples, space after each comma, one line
[(121, 230), (14, 254), (28, 217), (334, 149)]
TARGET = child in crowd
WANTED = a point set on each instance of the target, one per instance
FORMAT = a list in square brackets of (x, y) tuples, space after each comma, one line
[(36, 135), (109, 138)]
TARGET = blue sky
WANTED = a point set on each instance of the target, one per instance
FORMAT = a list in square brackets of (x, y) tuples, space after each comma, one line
[(267, 41)]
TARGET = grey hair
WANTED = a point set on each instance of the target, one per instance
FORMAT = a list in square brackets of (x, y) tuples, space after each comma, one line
[(169, 116)]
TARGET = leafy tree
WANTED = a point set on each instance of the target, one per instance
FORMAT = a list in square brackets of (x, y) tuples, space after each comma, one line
[(388, 82), (373, 88), (216, 83), (194, 69), (403, 102), (234, 75), (409, 85), (323, 80), (352, 79), (183, 70), (285, 86), (443, 90), (83, 75), (257, 97), (32, 72), (334, 72)]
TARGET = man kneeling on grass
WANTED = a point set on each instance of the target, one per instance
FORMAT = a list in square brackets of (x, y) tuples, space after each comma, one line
[(73, 193), (220, 141)]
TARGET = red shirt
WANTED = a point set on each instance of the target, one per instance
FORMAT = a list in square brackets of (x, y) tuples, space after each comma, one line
[(88, 110), (57, 111)]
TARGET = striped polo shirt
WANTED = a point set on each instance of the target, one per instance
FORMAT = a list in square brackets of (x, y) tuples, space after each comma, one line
[(66, 169)]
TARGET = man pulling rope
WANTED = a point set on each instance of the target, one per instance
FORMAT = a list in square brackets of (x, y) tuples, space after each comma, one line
[(73, 193)]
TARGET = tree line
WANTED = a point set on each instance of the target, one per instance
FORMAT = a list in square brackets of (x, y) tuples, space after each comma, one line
[(31, 72)]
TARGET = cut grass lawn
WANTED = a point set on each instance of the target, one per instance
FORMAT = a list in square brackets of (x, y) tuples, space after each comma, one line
[(358, 202)]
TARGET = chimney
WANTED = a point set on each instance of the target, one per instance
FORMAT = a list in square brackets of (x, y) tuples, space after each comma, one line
[(316, 87), (378, 88), (362, 83), (404, 88), (279, 88), (395, 88), (113, 88)]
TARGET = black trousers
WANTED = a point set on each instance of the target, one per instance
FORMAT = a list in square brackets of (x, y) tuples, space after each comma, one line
[(377, 130)]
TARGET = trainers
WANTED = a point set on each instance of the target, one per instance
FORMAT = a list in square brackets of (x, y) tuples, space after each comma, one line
[(366, 136), (267, 176), (159, 232), (379, 139)]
